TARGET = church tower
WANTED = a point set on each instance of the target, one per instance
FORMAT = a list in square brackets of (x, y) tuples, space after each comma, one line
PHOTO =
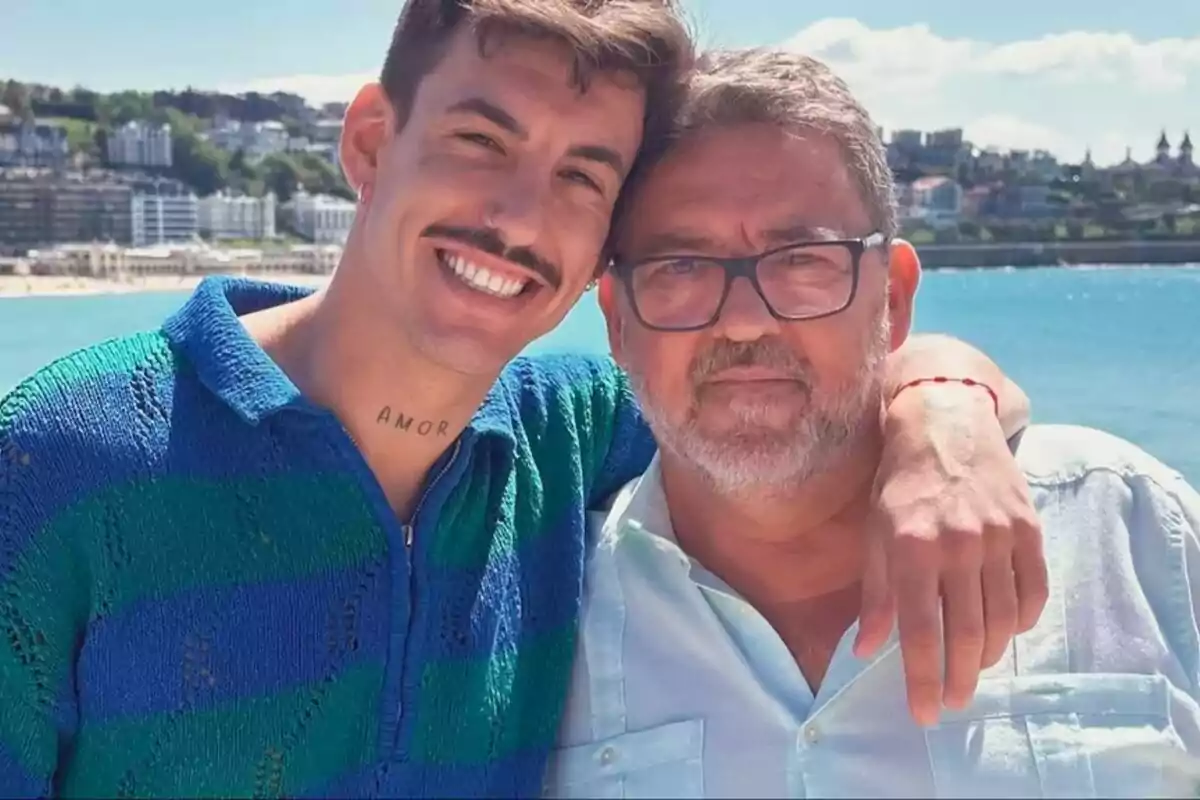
[(1162, 150)]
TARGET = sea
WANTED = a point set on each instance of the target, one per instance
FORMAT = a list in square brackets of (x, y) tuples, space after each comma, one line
[(1113, 348)]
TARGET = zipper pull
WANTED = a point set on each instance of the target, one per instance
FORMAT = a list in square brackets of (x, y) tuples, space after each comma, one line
[(408, 535)]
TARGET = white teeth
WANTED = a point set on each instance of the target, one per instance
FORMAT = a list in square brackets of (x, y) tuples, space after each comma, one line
[(482, 279)]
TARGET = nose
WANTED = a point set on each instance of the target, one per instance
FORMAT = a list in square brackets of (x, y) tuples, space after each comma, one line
[(745, 317), (518, 211)]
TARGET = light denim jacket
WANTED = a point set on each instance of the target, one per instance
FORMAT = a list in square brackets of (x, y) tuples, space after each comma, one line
[(681, 689)]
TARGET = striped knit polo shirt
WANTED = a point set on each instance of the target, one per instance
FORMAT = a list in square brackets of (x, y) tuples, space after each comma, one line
[(203, 590)]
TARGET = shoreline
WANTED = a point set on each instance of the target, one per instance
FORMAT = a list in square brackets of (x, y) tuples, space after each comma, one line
[(13, 286), (16, 286)]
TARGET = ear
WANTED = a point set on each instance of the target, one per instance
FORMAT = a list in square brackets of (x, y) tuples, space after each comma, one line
[(369, 124), (904, 276), (607, 293)]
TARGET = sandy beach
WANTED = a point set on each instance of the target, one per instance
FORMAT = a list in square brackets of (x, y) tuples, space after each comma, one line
[(56, 285)]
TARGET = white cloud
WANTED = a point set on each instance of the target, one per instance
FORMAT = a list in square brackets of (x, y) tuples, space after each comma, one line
[(316, 88), (1062, 92)]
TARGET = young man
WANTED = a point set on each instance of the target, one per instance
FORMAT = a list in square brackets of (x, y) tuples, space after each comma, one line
[(757, 295), (321, 544)]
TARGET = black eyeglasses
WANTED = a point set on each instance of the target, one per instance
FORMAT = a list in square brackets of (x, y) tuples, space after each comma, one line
[(800, 281)]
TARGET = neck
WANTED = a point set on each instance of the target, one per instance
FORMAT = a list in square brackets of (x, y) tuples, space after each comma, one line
[(402, 411), (781, 544)]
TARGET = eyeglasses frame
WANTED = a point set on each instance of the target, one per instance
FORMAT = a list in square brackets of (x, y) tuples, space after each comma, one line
[(747, 267)]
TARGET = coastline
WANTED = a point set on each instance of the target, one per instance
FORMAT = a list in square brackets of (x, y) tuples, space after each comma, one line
[(953, 257), (12, 286)]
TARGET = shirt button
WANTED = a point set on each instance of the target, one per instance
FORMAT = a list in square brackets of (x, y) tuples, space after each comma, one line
[(607, 756), (811, 734)]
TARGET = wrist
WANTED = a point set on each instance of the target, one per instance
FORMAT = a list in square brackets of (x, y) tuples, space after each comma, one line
[(952, 407), (962, 390)]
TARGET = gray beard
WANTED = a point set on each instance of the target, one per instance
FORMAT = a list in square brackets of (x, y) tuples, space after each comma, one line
[(757, 458)]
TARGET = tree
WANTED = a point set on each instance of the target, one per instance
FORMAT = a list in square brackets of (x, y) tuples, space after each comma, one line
[(122, 107), (16, 97), (100, 137), (322, 177), (281, 175), (197, 163)]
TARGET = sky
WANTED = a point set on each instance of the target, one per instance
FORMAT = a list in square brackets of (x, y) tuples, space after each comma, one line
[(1060, 75)]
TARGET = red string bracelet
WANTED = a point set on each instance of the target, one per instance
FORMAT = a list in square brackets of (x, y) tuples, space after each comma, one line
[(963, 381)]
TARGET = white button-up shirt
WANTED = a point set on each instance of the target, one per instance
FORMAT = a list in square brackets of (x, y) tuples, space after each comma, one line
[(682, 689)]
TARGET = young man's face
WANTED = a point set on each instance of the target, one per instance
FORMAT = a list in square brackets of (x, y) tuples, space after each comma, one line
[(486, 208)]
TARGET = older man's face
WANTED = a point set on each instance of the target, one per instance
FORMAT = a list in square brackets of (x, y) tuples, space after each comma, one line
[(753, 401)]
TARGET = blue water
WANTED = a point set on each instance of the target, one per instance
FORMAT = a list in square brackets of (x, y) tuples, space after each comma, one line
[(1117, 349)]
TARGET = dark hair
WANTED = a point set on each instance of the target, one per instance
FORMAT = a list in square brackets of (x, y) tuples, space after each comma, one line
[(646, 38), (790, 90)]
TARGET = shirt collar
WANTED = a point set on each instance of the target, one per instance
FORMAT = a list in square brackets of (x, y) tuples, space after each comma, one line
[(227, 361), (230, 364), (640, 509)]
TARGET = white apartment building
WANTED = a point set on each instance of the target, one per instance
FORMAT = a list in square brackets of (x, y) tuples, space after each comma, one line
[(320, 218), (256, 140), (163, 218), (138, 144), (223, 216)]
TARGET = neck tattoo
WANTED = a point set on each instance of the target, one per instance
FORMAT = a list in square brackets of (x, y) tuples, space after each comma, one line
[(401, 422)]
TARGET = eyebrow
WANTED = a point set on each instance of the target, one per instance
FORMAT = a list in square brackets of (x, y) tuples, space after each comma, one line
[(502, 119), (672, 242), (801, 232), (491, 112)]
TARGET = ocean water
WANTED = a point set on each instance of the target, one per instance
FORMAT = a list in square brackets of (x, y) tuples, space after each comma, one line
[(1117, 349)]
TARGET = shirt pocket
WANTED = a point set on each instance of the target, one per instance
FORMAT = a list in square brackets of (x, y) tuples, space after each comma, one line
[(1079, 735), (663, 761)]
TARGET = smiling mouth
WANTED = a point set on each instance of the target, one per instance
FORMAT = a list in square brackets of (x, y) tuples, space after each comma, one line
[(480, 278)]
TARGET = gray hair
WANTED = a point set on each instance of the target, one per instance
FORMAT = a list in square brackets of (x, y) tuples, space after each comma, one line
[(736, 87)]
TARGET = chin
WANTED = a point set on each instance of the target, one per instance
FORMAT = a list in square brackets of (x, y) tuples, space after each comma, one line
[(749, 422), (476, 353)]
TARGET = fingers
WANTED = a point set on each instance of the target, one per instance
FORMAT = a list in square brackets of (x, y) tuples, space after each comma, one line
[(1000, 608), (963, 613), (1029, 569), (877, 614), (919, 617)]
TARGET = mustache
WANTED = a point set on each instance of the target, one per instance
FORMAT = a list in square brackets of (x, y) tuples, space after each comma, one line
[(768, 353), (491, 242)]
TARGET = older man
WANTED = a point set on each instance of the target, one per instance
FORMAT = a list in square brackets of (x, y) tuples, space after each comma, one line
[(760, 288)]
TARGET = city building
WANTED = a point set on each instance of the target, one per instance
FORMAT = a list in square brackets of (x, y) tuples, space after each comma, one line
[(1164, 166), (320, 218), (256, 140), (41, 207), (1027, 201), (326, 131), (163, 212), (225, 216), (140, 144), (937, 199), (32, 144), (111, 261), (324, 150), (943, 150)]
